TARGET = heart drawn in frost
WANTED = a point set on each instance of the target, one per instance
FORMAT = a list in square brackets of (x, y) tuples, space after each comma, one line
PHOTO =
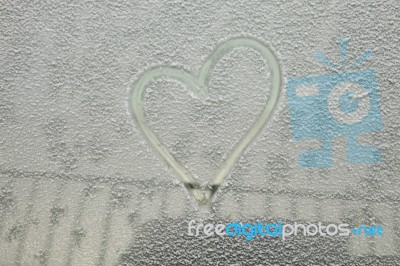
[(198, 85)]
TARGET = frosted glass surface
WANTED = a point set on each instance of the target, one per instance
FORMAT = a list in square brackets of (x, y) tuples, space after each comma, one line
[(81, 185)]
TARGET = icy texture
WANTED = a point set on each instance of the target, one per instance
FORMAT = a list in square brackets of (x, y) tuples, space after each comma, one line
[(79, 185)]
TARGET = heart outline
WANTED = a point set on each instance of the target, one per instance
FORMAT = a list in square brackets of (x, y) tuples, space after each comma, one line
[(198, 85)]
